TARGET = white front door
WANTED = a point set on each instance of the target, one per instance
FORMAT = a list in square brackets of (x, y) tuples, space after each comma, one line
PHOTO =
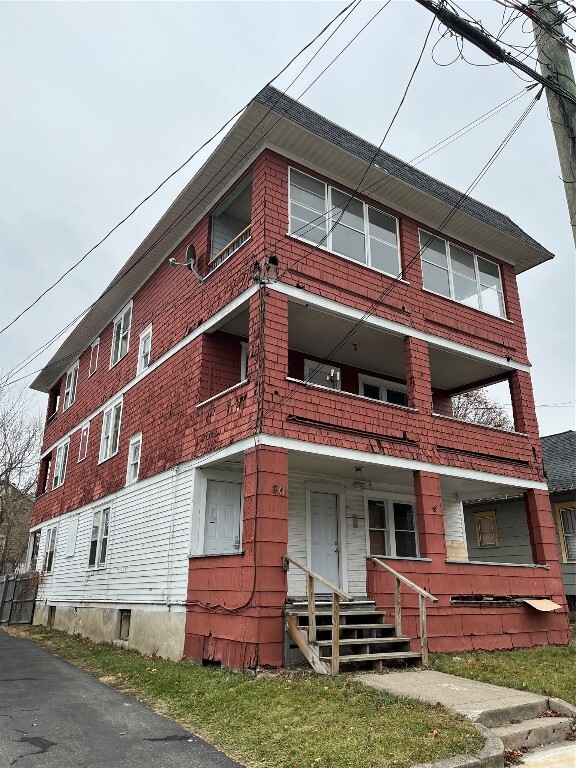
[(325, 541), (222, 526)]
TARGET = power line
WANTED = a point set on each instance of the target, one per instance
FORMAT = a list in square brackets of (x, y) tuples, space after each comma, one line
[(375, 187), (179, 168)]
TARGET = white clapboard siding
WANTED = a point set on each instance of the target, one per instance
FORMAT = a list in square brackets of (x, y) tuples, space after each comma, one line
[(456, 547), (148, 546)]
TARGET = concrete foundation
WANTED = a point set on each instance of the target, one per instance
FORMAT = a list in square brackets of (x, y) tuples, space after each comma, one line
[(152, 631)]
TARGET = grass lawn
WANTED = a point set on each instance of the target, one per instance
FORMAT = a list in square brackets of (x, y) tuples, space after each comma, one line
[(275, 720), (550, 670)]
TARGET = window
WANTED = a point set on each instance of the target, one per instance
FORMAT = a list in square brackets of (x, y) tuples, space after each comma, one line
[(53, 401), (33, 548), (60, 464), (244, 361), (461, 275), (391, 527), (72, 531), (380, 389), (110, 431), (70, 387), (94, 350), (486, 529), (49, 549), (121, 335), (326, 216), (567, 529), (321, 374), (134, 451), (83, 450), (99, 538), (144, 349), (44, 474)]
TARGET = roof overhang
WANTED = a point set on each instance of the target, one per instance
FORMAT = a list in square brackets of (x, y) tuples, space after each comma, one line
[(249, 136)]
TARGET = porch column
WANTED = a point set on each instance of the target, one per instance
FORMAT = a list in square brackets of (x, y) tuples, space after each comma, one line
[(429, 514), (418, 381), (541, 529), (523, 403), (265, 531)]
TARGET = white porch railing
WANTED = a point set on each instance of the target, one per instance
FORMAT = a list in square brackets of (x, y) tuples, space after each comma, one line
[(229, 249)]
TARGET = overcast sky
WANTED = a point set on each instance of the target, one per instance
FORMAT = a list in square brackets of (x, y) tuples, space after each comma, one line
[(101, 101)]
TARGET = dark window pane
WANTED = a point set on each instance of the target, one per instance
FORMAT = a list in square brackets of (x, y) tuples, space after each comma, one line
[(93, 547), (462, 262), (436, 279), (405, 544), (378, 543), (371, 390), (382, 226), (404, 517), (346, 211), (376, 514), (396, 397), (433, 249)]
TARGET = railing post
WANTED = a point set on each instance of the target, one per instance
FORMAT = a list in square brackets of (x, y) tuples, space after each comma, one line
[(397, 607), (335, 666), (423, 631), (311, 609)]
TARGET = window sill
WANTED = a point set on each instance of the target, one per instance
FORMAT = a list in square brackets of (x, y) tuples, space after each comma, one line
[(113, 365), (405, 559), (323, 248), (351, 394), (221, 394), (107, 458), (215, 554), (461, 304), (504, 565)]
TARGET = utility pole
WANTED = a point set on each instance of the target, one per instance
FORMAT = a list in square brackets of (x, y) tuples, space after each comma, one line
[(557, 76), (555, 65)]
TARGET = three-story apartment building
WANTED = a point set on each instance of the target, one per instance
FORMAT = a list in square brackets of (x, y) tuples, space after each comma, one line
[(289, 394)]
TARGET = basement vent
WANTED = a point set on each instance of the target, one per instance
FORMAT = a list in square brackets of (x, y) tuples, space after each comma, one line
[(538, 602), (125, 624)]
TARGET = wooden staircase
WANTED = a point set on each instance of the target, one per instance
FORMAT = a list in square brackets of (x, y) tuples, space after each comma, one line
[(340, 630), (364, 637)]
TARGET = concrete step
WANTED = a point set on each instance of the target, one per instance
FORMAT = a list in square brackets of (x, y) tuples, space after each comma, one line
[(534, 732), (513, 711)]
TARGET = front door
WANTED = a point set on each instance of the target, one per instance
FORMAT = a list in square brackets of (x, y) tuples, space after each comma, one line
[(222, 526), (325, 541)]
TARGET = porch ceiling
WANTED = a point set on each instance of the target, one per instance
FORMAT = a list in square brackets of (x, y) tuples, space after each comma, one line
[(328, 467), (452, 371), (316, 333), (470, 490)]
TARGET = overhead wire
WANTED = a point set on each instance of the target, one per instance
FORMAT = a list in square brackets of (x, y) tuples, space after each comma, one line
[(354, 4)]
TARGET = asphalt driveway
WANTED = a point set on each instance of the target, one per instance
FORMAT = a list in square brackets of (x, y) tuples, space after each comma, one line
[(54, 715)]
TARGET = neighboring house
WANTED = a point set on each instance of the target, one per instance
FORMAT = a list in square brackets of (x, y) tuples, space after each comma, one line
[(288, 395), (15, 516), (498, 528)]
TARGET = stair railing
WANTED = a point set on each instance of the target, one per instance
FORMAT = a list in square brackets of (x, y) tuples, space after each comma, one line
[(337, 594), (422, 597)]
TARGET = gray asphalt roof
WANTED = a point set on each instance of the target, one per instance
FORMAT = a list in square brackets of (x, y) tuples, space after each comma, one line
[(298, 113), (560, 460)]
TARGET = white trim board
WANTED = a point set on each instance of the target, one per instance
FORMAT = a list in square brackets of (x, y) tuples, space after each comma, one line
[(335, 308)]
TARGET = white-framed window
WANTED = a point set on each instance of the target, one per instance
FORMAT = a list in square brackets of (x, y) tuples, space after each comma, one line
[(70, 386), (390, 526), (94, 350), (459, 274), (99, 538), (144, 349), (486, 529), (60, 464), (110, 431), (322, 374), (134, 452), (243, 360), (83, 449), (49, 549), (121, 335), (567, 530), (380, 389), (326, 216), (33, 549)]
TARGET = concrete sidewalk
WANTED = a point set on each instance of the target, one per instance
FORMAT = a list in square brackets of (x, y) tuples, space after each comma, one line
[(54, 715)]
